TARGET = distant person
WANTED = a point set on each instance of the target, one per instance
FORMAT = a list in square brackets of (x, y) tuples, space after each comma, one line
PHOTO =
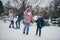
[(40, 24), (11, 16), (20, 17), (27, 20), (1, 7)]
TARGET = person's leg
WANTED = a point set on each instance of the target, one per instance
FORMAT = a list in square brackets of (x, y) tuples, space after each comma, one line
[(13, 24), (28, 28), (17, 24), (36, 30), (10, 24), (24, 28), (39, 31)]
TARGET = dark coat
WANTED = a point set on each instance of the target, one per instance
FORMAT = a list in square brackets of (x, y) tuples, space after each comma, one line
[(40, 22), (20, 16)]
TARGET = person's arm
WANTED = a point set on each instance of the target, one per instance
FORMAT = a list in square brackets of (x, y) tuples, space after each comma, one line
[(32, 20), (26, 11)]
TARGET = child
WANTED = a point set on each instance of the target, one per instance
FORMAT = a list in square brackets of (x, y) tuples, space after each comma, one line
[(11, 16), (39, 22), (27, 20)]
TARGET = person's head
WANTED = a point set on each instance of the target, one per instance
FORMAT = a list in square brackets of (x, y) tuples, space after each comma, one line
[(29, 12), (10, 11), (39, 16), (22, 9)]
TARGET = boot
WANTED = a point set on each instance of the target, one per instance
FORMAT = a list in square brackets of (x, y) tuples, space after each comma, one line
[(27, 33), (23, 32)]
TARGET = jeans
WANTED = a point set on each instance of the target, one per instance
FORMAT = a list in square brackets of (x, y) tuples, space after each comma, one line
[(38, 29), (17, 24), (11, 24), (26, 28)]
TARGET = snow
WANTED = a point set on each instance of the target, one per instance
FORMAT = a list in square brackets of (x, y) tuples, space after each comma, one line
[(48, 32)]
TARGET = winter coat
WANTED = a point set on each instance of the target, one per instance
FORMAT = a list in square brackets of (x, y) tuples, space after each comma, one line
[(28, 18), (11, 16), (20, 16), (40, 22)]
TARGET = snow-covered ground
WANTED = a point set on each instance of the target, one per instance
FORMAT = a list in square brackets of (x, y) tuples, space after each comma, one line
[(48, 32)]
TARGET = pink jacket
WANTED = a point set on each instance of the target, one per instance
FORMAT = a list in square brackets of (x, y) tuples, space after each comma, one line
[(28, 18)]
